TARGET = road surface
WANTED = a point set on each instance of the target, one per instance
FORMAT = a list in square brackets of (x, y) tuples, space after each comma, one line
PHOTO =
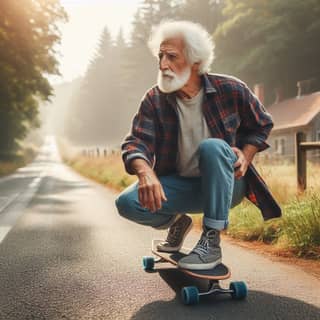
[(66, 254)]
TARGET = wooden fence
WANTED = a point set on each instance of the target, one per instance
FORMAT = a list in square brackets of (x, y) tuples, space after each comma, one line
[(99, 152), (301, 158)]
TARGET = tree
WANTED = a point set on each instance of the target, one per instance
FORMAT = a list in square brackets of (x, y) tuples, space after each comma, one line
[(98, 111), (206, 12), (270, 41), (28, 33)]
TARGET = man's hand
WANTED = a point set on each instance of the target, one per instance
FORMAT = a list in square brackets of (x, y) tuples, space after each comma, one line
[(241, 165), (245, 157), (150, 190)]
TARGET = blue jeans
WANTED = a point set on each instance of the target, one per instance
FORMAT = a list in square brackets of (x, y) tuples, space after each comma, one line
[(213, 193)]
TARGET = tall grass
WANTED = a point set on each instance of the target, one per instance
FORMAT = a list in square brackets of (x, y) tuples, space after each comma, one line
[(108, 171), (301, 225)]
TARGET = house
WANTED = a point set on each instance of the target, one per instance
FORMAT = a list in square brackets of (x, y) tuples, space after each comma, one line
[(299, 114)]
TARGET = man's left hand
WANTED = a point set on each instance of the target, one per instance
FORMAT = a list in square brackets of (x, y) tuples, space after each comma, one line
[(241, 165)]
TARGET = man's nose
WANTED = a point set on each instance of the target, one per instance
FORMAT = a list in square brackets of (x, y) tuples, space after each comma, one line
[(163, 63)]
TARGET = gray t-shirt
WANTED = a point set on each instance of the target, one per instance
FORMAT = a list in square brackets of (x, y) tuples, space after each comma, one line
[(193, 129)]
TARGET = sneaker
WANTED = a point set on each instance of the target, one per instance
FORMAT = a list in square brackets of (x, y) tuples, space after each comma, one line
[(168, 224), (176, 235), (206, 254)]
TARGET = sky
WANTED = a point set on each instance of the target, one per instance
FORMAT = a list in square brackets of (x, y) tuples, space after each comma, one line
[(80, 35)]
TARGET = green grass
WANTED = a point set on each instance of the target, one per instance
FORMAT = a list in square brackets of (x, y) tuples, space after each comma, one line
[(301, 226)]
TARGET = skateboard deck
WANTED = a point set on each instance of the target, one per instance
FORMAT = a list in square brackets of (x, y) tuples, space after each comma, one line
[(190, 295), (220, 272)]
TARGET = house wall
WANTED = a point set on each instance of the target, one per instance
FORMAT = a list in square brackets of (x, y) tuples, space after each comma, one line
[(315, 154), (316, 128), (287, 138)]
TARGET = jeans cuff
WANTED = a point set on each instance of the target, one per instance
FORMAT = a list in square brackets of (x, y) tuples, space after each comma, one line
[(215, 224)]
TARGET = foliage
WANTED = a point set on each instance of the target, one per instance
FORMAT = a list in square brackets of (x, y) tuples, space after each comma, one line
[(206, 12), (21, 159), (28, 33), (271, 41)]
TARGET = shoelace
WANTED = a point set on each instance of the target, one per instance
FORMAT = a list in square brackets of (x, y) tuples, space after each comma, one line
[(202, 247)]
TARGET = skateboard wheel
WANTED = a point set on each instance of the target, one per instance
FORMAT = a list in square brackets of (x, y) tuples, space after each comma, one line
[(239, 289), (148, 263), (190, 295)]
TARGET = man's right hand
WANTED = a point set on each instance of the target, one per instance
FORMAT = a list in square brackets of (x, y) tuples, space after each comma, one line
[(150, 191)]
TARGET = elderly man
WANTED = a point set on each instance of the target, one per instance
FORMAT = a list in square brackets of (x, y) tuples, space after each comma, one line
[(191, 146)]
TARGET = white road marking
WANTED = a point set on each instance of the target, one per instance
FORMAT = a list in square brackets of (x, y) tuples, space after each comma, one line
[(9, 201), (4, 231), (13, 206), (19, 202)]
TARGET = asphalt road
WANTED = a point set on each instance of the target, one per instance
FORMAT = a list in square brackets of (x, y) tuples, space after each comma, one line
[(66, 254)]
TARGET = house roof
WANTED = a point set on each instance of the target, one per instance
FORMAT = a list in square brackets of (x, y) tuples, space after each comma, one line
[(295, 112)]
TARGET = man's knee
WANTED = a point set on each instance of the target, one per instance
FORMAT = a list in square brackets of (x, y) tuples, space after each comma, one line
[(215, 150), (213, 145), (125, 205)]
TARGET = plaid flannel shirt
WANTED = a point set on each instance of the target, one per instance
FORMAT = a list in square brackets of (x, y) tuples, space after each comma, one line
[(233, 113)]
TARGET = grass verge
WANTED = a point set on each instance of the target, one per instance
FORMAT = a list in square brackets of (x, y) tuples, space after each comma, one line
[(108, 171)]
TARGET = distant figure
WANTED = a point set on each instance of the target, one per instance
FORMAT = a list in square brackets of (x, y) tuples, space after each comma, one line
[(191, 146)]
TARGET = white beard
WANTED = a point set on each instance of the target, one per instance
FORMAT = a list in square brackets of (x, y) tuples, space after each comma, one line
[(169, 81)]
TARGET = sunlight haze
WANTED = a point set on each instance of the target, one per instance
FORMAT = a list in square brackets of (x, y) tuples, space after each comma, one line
[(80, 35)]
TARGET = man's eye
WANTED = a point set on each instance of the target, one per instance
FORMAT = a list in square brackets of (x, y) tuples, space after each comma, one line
[(171, 56)]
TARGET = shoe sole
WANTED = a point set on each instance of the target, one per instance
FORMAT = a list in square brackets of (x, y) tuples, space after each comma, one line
[(176, 249), (198, 266)]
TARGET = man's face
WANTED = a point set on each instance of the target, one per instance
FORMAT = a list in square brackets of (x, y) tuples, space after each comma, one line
[(174, 68)]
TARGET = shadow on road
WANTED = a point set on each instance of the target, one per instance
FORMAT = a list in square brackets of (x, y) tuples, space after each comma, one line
[(258, 305), (51, 185), (48, 199)]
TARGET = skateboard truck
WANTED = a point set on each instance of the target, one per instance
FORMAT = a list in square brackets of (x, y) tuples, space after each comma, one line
[(191, 295)]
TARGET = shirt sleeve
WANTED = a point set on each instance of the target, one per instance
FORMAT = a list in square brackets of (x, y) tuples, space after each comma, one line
[(140, 142), (256, 122)]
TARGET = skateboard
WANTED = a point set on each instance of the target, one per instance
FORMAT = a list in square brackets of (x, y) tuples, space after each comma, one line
[(191, 295)]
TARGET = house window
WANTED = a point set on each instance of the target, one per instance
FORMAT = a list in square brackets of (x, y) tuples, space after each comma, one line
[(279, 145)]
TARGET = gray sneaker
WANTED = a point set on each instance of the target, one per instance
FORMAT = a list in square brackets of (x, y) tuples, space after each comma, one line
[(206, 254), (176, 235)]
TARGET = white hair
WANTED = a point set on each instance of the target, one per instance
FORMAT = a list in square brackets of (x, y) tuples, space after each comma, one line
[(198, 42)]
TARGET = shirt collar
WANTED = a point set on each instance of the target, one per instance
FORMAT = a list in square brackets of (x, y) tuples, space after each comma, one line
[(208, 87)]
